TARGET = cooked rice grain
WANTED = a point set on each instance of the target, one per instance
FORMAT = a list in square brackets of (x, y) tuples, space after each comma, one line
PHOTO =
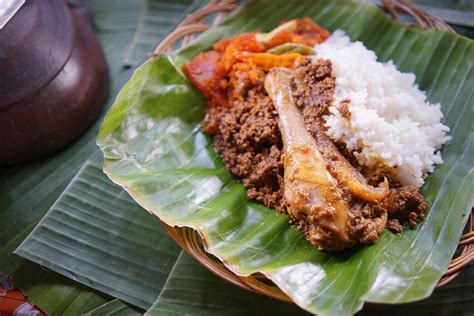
[(390, 120)]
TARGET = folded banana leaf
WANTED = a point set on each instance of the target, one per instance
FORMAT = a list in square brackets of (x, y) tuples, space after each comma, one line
[(96, 235), (193, 290), (154, 148), (115, 308), (55, 294)]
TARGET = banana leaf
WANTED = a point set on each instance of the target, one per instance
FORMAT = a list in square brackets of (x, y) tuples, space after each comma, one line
[(193, 290), (115, 308), (455, 298), (96, 235), (55, 294), (154, 148), (157, 19)]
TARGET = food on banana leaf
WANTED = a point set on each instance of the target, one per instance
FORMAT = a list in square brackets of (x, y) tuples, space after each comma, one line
[(315, 127)]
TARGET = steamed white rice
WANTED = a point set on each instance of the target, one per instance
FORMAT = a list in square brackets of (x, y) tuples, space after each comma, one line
[(391, 121)]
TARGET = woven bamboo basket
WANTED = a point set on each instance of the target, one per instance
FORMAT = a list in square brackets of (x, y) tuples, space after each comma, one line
[(191, 242)]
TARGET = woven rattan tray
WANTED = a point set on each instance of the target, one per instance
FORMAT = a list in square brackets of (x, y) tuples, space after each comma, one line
[(191, 242)]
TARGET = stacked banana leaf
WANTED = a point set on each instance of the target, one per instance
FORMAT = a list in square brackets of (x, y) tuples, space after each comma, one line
[(82, 245)]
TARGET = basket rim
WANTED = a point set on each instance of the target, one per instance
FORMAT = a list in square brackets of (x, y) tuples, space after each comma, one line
[(190, 241)]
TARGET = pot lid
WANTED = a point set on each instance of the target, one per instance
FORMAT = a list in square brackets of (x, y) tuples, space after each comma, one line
[(34, 46)]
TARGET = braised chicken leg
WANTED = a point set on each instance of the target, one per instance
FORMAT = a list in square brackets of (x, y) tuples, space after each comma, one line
[(313, 195), (344, 172)]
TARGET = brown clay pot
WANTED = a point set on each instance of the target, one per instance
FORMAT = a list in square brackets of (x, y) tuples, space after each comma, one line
[(53, 79)]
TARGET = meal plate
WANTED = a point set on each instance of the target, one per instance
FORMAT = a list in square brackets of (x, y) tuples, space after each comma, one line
[(154, 148)]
